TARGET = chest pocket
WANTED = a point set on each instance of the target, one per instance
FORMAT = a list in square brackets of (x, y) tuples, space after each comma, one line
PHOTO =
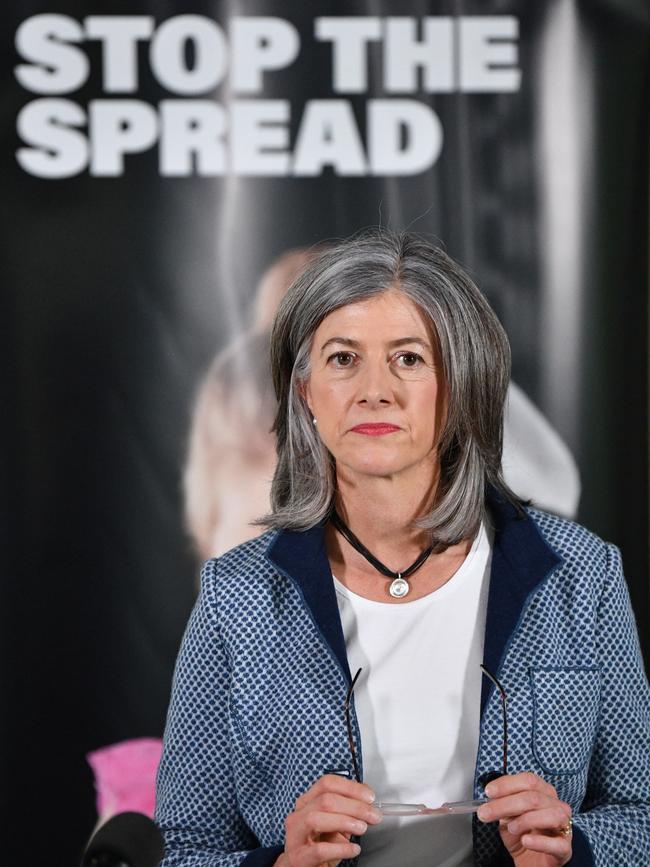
[(566, 711)]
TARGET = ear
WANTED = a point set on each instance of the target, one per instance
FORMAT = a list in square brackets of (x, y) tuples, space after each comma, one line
[(304, 390)]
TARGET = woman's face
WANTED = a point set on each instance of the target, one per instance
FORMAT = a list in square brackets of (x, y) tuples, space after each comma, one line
[(376, 388)]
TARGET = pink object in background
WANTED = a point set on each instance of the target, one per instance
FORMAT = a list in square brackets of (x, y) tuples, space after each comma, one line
[(125, 776)]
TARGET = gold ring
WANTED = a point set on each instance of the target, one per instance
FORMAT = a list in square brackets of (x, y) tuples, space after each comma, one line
[(568, 828)]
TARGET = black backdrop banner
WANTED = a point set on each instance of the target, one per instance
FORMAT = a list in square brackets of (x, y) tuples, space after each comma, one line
[(157, 157)]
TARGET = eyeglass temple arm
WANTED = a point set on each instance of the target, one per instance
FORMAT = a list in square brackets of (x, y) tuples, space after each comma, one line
[(353, 752), (504, 711)]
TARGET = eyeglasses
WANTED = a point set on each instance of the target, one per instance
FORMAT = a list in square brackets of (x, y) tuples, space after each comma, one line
[(450, 807)]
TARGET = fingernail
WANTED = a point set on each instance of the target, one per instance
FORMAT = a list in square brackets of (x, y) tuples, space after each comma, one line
[(358, 827), (369, 796), (490, 790), (375, 816), (513, 827), (356, 850), (484, 813)]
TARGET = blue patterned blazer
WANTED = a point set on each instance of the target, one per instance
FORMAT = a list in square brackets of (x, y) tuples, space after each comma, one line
[(257, 712)]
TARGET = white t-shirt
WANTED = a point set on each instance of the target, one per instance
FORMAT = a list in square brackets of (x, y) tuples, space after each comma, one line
[(418, 706)]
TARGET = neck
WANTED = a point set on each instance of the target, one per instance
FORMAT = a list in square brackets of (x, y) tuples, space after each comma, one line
[(382, 511)]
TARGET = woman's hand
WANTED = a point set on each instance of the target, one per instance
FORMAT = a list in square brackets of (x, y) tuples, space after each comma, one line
[(318, 830), (531, 820)]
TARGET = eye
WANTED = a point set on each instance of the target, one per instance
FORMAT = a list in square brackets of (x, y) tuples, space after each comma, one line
[(342, 359), (408, 359)]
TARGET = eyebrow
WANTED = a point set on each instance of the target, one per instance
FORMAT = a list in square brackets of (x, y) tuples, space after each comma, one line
[(354, 344)]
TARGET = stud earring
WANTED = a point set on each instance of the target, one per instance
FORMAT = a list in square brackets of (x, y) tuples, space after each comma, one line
[(313, 420)]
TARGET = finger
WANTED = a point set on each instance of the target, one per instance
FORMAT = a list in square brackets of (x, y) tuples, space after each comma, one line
[(297, 849), (337, 784), (551, 819), (317, 823), (330, 802), (299, 825), (558, 847), (512, 783), (512, 806)]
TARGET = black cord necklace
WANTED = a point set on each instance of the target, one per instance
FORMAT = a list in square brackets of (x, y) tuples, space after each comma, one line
[(399, 586)]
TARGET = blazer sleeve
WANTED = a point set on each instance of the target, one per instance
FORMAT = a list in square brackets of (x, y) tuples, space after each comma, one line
[(196, 800), (615, 815)]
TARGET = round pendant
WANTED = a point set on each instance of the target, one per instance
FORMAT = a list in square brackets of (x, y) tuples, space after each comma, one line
[(398, 588)]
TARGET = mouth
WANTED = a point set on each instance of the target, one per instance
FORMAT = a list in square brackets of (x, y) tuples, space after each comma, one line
[(375, 430)]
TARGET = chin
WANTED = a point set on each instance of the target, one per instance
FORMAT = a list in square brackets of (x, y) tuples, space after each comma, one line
[(378, 462), (373, 465)]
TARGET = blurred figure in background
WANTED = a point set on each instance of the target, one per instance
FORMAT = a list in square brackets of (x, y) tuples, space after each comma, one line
[(231, 450)]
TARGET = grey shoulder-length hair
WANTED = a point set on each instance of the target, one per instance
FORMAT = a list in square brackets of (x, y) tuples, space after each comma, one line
[(476, 365)]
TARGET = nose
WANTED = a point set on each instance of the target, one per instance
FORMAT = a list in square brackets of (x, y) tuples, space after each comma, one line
[(375, 387)]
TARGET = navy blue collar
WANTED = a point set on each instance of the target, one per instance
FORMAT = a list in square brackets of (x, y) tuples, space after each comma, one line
[(301, 556), (521, 560)]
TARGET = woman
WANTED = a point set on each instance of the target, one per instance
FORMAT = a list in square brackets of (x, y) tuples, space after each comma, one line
[(396, 548), (231, 455)]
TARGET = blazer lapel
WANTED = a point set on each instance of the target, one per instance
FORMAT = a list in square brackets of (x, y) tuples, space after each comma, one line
[(521, 561), (301, 556)]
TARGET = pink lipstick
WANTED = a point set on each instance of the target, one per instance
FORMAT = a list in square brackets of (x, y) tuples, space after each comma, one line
[(375, 430)]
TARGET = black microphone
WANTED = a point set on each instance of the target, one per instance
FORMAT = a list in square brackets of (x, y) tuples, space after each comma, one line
[(126, 840)]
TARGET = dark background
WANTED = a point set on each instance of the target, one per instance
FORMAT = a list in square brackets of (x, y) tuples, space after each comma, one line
[(118, 291)]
